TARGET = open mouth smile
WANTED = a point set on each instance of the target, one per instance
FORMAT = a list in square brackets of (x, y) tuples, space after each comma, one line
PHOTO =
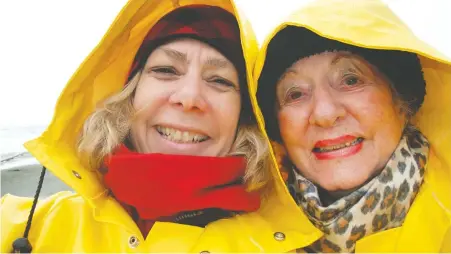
[(340, 147)]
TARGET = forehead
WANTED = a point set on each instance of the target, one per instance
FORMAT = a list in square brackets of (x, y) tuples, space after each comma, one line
[(325, 62), (191, 46)]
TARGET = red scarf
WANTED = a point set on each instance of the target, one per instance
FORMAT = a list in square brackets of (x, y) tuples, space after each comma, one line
[(160, 185)]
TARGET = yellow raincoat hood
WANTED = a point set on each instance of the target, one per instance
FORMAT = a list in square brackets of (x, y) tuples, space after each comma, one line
[(371, 24), (91, 220)]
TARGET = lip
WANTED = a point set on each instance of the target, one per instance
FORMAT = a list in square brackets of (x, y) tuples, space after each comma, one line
[(340, 153), (335, 141)]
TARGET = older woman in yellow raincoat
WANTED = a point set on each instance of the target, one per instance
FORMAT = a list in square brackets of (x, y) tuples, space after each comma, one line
[(358, 111)]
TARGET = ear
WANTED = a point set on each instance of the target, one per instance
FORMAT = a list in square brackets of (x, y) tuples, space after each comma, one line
[(282, 159)]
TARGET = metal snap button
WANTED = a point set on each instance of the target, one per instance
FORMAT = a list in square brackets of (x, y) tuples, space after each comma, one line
[(76, 174), (279, 236), (133, 242), (204, 252)]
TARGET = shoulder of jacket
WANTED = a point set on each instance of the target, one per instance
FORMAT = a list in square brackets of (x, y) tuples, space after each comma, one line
[(18, 206), (14, 212), (439, 194)]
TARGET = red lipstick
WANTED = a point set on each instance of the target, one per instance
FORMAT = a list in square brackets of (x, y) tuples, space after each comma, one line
[(338, 147)]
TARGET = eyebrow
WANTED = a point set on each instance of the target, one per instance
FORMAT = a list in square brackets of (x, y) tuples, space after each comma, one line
[(353, 66), (176, 55), (338, 57), (216, 62), (289, 70)]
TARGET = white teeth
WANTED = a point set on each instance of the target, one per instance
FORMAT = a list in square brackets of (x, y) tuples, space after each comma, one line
[(186, 137), (178, 135), (181, 136)]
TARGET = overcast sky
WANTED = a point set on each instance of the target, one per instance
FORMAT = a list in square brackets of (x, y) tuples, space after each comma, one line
[(44, 41)]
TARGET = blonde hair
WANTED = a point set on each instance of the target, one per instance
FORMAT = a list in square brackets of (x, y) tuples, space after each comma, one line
[(109, 126)]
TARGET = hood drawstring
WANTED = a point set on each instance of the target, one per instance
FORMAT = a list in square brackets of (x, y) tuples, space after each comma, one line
[(22, 244)]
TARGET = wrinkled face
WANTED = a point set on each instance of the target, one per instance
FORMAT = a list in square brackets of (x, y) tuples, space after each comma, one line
[(337, 119), (188, 101)]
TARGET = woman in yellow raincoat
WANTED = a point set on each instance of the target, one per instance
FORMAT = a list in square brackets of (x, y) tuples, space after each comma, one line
[(163, 180), (358, 110)]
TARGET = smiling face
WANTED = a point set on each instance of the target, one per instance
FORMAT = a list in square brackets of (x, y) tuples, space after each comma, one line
[(187, 101), (337, 118)]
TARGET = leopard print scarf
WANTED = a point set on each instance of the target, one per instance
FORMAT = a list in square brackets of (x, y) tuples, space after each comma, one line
[(380, 204)]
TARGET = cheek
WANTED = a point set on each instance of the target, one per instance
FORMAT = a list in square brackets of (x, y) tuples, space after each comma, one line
[(293, 124), (142, 103), (148, 97), (142, 95), (380, 106), (376, 113), (226, 112)]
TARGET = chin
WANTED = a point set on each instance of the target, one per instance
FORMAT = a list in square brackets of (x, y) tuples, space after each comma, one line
[(343, 179)]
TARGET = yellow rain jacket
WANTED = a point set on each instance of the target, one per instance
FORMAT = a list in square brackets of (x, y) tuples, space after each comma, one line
[(92, 221), (371, 24)]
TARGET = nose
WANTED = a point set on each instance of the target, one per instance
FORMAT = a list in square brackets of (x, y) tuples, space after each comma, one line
[(189, 94), (327, 109)]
